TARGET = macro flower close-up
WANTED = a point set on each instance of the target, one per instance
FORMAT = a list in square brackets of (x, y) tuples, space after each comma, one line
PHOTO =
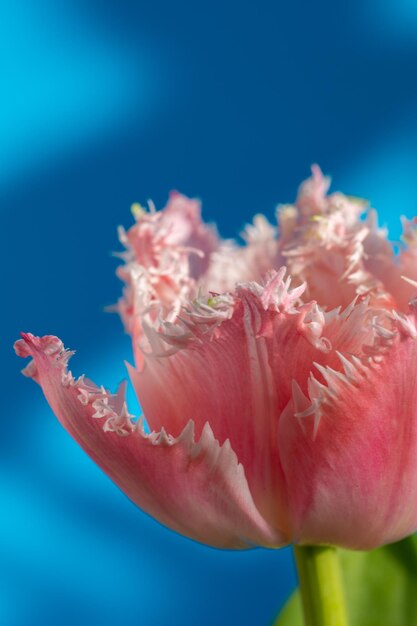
[(209, 240), (275, 376)]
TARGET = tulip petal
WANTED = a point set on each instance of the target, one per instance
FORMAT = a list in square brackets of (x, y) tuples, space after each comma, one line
[(196, 488), (350, 465), (238, 374), (326, 245)]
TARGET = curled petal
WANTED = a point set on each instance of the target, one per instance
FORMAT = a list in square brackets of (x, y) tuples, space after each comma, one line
[(197, 488)]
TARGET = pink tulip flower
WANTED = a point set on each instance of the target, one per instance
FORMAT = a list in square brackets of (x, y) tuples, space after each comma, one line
[(280, 411)]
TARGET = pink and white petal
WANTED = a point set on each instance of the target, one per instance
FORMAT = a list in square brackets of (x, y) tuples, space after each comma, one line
[(350, 461), (327, 246), (196, 488), (311, 198), (182, 216), (391, 270), (323, 275), (231, 264), (403, 290), (214, 380), (406, 265), (238, 377)]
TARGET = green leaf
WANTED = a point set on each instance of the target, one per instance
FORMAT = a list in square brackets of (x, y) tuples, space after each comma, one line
[(380, 587)]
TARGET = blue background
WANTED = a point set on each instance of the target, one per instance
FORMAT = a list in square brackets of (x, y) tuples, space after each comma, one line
[(104, 103)]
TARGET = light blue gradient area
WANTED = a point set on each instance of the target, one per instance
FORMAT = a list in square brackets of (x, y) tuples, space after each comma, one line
[(104, 103), (395, 19), (62, 84)]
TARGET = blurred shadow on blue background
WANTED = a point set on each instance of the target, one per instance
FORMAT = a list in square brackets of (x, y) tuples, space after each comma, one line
[(104, 103)]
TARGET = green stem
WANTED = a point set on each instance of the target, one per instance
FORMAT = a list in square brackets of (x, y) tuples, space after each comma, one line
[(321, 586)]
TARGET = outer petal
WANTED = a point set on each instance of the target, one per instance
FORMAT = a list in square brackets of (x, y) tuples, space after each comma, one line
[(198, 489), (238, 374), (354, 483)]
